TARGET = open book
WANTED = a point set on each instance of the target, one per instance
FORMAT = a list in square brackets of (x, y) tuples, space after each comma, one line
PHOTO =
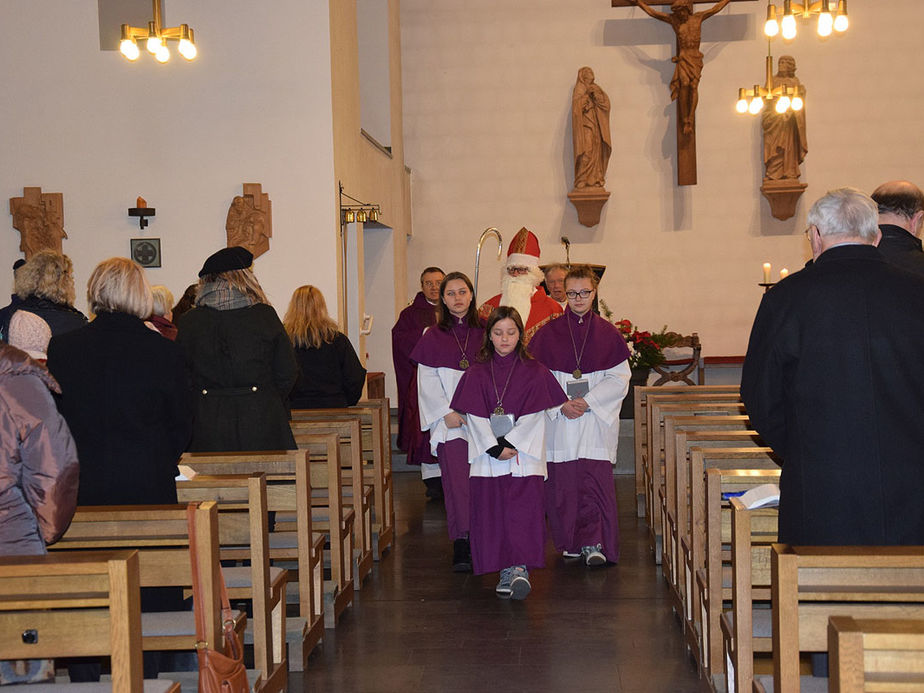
[(763, 496)]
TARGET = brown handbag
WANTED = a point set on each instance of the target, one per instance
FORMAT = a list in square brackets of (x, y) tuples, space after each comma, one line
[(219, 672)]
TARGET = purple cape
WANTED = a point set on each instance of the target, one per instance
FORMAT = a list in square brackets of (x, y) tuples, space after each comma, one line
[(605, 347), (439, 349), (404, 337), (532, 388)]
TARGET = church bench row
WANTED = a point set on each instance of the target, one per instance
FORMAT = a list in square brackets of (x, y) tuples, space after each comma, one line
[(875, 655), (81, 604)]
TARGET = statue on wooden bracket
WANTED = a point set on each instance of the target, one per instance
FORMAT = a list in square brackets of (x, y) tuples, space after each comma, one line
[(590, 132), (785, 147), (250, 220), (39, 218)]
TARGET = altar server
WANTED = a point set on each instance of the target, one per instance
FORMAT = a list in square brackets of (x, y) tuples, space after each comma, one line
[(589, 358), (442, 355), (505, 396)]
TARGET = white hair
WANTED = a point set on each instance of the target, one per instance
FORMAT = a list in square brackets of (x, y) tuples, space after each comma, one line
[(846, 213)]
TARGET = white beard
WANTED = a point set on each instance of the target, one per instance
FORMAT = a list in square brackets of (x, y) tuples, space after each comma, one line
[(517, 293)]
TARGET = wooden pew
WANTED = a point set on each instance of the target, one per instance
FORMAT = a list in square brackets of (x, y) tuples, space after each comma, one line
[(79, 604), (641, 427), (811, 584), (161, 536), (875, 655), (291, 476), (714, 572), (696, 405), (358, 497), (243, 535), (374, 417)]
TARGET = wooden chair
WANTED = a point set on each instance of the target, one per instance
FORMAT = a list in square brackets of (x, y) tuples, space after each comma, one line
[(687, 365), (359, 497), (161, 536), (243, 536), (374, 417), (641, 427), (79, 604), (875, 655), (811, 584)]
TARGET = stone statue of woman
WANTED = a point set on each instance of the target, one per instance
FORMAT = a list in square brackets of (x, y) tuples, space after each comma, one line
[(590, 129)]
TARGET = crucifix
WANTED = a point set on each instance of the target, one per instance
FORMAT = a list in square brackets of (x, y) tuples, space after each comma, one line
[(687, 26)]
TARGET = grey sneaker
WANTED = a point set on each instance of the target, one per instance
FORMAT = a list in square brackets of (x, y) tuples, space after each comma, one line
[(519, 584), (593, 556), (503, 589), (571, 554)]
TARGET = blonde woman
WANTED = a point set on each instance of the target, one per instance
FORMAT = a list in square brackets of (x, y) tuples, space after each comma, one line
[(162, 315), (330, 374), (240, 358), (45, 286)]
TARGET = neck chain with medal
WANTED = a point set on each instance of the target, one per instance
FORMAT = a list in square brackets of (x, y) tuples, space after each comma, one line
[(463, 362), (499, 409), (577, 357)]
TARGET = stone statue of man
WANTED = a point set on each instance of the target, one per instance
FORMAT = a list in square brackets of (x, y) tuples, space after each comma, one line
[(785, 145)]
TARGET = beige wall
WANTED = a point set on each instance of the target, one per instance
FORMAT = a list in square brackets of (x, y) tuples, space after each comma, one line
[(254, 107), (487, 90)]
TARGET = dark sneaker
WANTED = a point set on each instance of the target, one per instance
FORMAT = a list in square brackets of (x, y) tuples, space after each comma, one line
[(503, 589), (593, 556), (461, 556), (519, 583)]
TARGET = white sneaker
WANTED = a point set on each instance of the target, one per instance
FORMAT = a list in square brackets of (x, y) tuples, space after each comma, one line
[(519, 584), (593, 556), (571, 554)]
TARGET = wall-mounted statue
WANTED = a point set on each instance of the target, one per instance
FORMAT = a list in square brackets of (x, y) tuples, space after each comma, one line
[(784, 133), (590, 130), (590, 133), (250, 220), (39, 218), (785, 147)]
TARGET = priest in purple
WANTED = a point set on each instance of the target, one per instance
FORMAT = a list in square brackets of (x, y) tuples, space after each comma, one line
[(589, 358), (442, 355), (411, 324), (504, 397)]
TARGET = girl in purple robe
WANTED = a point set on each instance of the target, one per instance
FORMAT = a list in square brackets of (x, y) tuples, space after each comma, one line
[(505, 396), (442, 356)]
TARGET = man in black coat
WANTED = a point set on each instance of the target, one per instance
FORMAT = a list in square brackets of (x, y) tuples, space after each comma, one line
[(834, 382), (901, 213)]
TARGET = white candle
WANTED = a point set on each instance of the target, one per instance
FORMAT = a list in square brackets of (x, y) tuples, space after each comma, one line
[(784, 273), (766, 273)]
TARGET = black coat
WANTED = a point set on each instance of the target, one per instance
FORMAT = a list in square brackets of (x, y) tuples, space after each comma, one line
[(834, 382), (329, 376), (60, 317), (242, 369), (125, 398), (901, 248)]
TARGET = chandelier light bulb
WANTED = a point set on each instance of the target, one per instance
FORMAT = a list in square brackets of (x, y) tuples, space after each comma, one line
[(788, 27), (782, 104), (771, 28), (757, 104), (841, 22), (163, 54), (129, 49), (187, 49), (153, 44), (797, 103), (825, 24), (742, 106)]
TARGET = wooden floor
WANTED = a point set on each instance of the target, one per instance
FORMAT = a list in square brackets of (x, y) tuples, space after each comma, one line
[(416, 626)]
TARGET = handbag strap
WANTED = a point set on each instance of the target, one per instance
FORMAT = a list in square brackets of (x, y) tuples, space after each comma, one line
[(198, 603)]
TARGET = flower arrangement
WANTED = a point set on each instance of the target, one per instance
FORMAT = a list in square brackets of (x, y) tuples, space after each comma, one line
[(646, 348)]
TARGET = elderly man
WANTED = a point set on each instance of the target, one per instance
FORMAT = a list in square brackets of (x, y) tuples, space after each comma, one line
[(901, 211), (522, 276), (411, 324), (555, 283), (834, 382)]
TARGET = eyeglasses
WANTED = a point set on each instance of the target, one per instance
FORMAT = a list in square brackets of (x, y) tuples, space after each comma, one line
[(583, 293), (516, 271)]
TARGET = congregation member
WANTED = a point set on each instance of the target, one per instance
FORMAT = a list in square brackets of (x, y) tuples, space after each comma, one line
[(520, 286), (45, 286), (125, 398), (240, 357), (833, 381), (407, 331), (329, 371), (161, 319), (555, 283), (901, 218), (589, 359), (442, 355), (7, 311), (505, 396), (38, 476), (31, 334)]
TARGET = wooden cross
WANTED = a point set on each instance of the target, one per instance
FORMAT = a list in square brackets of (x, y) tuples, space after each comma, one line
[(687, 25)]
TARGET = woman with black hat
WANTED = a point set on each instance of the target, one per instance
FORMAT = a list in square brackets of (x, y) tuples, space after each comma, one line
[(241, 360)]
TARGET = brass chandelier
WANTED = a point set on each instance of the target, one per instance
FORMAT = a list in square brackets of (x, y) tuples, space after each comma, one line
[(827, 21), (786, 98), (155, 36)]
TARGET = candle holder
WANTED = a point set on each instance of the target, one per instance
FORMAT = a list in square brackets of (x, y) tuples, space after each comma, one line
[(766, 285)]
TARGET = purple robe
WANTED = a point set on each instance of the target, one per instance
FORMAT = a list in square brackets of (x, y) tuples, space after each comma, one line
[(605, 346), (413, 320)]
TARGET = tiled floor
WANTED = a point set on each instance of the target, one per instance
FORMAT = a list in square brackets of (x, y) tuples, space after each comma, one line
[(416, 626)]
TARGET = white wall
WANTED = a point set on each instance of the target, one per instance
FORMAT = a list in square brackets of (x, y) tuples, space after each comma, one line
[(254, 107), (487, 92)]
